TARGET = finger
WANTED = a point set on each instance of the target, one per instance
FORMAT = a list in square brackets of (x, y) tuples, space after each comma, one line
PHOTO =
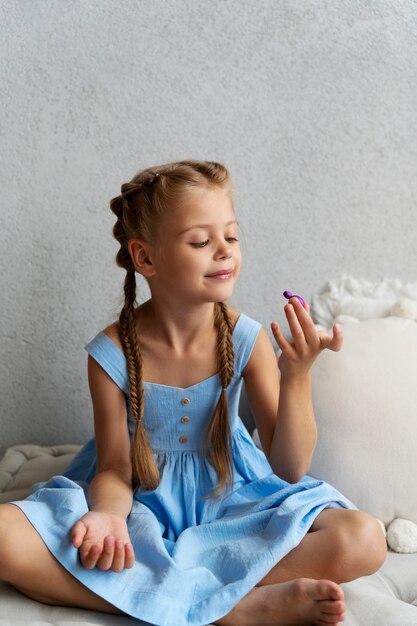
[(280, 339), (337, 340), (296, 329), (332, 343), (306, 323), (106, 558), (78, 533), (119, 556), (129, 556), (90, 554)]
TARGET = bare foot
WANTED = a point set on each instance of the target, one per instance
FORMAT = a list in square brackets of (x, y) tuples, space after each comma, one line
[(301, 602)]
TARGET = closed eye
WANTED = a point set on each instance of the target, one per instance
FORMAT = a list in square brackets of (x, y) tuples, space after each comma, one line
[(202, 244)]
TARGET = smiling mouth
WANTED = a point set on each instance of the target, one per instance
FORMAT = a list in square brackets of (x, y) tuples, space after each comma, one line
[(222, 275)]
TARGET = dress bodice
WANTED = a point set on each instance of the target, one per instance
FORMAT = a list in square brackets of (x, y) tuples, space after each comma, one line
[(176, 418)]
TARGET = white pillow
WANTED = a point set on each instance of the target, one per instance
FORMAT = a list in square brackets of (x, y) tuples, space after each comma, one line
[(365, 401), (363, 299)]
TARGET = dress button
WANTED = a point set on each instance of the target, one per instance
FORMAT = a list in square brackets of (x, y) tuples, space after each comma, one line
[(183, 439), (185, 401), (185, 419)]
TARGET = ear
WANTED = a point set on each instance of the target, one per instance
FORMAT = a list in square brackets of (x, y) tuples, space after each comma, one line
[(141, 253)]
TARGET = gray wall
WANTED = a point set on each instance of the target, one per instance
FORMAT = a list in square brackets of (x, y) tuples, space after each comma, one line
[(312, 104)]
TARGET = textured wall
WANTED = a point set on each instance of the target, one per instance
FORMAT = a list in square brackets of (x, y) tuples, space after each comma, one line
[(312, 104)]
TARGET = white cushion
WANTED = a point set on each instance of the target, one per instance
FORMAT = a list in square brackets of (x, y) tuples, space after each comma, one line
[(361, 299), (365, 401), (26, 464)]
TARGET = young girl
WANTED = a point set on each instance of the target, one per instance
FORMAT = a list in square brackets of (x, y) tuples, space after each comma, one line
[(171, 514)]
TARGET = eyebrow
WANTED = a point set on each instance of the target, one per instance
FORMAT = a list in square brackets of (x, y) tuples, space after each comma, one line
[(205, 226)]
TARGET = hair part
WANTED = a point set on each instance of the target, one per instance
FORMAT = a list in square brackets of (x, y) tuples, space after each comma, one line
[(140, 208)]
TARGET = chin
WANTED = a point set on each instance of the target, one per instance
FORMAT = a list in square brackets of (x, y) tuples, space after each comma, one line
[(222, 295)]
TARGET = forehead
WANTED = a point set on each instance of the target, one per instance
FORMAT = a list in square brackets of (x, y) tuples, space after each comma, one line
[(208, 206)]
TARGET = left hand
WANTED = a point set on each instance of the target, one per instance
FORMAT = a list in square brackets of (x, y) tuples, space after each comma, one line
[(298, 356)]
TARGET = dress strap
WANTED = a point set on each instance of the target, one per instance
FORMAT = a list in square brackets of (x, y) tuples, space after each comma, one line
[(111, 359), (245, 334)]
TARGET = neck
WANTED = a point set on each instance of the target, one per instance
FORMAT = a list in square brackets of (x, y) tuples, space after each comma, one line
[(178, 328)]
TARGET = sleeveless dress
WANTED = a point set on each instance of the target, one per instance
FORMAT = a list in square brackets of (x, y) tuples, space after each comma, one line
[(195, 558)]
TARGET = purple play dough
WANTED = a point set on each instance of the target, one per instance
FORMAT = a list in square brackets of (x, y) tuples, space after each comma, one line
[(288, 295)]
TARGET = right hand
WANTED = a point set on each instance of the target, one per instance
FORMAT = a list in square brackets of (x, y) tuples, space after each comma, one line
[(103, 541), (298, 356)]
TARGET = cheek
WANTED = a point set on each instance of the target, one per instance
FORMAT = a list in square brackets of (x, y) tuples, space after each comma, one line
[(194, 261)]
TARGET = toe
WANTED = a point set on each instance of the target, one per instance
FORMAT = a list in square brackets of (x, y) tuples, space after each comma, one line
[(332, 607), (331, 590)]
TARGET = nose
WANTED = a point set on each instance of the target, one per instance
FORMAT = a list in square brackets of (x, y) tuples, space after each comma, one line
[(224, 250)]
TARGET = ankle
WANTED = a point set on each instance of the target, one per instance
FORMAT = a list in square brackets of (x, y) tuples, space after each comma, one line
[(246, 612)]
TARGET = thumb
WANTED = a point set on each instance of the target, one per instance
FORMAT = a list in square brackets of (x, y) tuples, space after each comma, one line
[(78, 533), (337, 339), (332, 343)]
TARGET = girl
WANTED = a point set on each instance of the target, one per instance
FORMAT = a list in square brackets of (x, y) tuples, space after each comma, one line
[(171, 514)]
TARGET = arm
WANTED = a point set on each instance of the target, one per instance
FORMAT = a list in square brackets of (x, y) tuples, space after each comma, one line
[(102, 534), (111, 489), (284, 413)]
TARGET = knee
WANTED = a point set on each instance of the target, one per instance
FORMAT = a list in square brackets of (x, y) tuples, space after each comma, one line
[(371, 542), (361, 543)]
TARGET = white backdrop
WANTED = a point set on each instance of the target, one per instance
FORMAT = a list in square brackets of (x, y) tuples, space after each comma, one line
[(312, 105)]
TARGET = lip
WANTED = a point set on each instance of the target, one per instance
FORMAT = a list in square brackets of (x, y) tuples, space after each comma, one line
[(220, 273)]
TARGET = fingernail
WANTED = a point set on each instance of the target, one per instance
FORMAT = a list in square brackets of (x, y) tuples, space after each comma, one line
[(337, 327), (274, 326)]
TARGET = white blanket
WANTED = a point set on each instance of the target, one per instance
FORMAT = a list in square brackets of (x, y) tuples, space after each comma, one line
[(351, 299)]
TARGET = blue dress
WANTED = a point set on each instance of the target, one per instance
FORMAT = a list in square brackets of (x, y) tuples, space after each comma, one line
[(195, 558)]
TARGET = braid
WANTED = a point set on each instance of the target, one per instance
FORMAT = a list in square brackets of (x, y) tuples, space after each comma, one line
[(224, 343), (127, 321), (130, 188), (123, 258), (218, 432), (145, 471)]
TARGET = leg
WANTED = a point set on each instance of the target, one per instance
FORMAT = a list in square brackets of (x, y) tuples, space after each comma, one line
[(42, 578), (300, 602), (27, 564), (342, 545)]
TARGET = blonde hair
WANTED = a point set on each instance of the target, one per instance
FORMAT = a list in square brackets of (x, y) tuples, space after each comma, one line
[(140, 207)]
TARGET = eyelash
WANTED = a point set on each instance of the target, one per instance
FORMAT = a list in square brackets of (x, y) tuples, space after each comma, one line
[(202, 244)]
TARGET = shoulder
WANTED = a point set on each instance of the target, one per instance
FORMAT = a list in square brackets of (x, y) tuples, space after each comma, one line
[(245, 332), (112, 332), (262, 356), (245, 320), (245, 328), (143, 320), (104, 350)]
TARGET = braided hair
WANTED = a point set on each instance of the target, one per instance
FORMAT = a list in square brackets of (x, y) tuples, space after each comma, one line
[(142, 203)]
